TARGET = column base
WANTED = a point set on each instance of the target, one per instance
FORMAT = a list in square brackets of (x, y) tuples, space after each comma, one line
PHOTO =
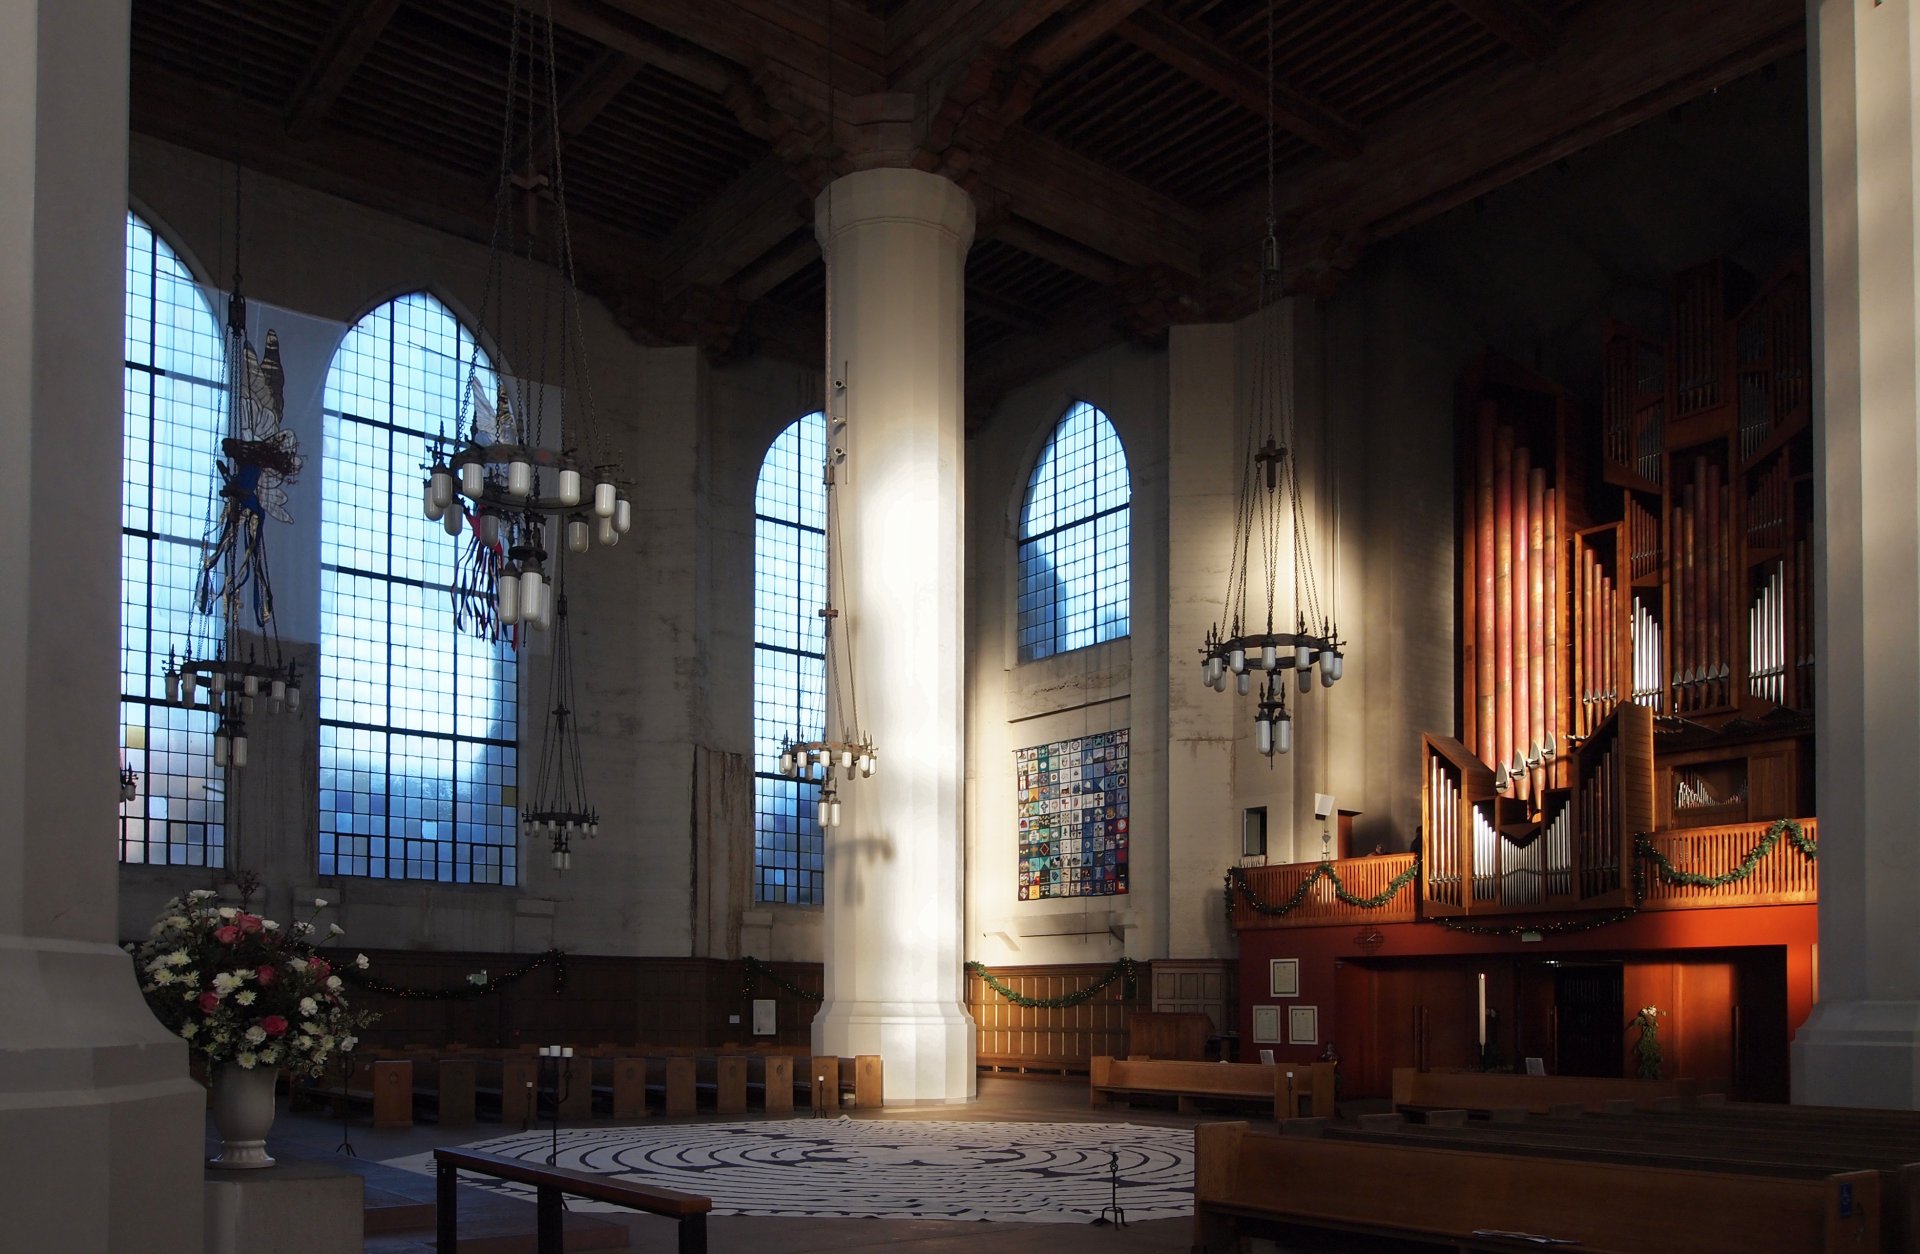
[(101, 1128), (926, 1048), (1859, 1053)]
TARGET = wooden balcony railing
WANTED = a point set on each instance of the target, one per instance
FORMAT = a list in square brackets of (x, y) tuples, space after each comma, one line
[(1320, 904), (1784, 875)]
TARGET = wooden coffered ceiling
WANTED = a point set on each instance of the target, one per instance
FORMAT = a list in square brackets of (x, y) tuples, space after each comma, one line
[(1116, 149)]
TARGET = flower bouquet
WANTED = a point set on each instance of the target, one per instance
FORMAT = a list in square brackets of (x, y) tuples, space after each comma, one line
[(242, 990)]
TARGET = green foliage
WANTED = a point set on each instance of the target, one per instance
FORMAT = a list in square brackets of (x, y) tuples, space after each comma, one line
[(1646, 1050)]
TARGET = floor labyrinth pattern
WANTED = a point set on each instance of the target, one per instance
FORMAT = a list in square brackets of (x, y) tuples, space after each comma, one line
[(884, 1169)]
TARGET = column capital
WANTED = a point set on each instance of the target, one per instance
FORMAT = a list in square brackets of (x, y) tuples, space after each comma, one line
[(894, 195)]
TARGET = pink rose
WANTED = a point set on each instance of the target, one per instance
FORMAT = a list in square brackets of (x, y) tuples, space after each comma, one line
[(209, 1001), (319, 969), (228, 935), (274, 1025), (250, 923), (267, 976)]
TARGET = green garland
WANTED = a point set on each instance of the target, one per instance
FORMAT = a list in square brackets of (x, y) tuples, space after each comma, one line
[(464, 992), (1647, 1059), (756, 970), (1123, 969), (1672, 874), (1237, 882)]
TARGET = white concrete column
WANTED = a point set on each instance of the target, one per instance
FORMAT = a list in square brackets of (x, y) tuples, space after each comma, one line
[(100, 1128), (896, 242), (1861, 1046)]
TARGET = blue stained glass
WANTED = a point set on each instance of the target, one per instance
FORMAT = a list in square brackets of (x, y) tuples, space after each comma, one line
[(1075, 563), (417, 722), (789, 659), (174, 417)]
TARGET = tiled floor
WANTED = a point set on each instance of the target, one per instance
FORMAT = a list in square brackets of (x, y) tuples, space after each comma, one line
[(1001, 1099)]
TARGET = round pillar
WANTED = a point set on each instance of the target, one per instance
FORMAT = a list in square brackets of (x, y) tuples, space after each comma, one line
[(896, 245), (1861, 1045)]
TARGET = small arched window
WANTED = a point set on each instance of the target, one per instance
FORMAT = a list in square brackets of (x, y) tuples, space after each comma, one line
[(789, 658), (1076, 539), (419, 723), (176, 415)]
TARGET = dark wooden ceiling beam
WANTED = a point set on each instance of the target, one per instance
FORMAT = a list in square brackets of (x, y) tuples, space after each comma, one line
[(1072, 35), (749, 33), (928, 39), (346, 45), (620, 32), (1503, 125), (1004, 309), (1092, 204), (754, 215), (583, 101), (1516, 23), (1053, 248), (776, 267), (1199, 58)]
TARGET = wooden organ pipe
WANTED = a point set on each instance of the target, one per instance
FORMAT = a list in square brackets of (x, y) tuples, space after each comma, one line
[(1555, 683), (1485, 556), (1503, 601), (1536, 632), (1523, 647)]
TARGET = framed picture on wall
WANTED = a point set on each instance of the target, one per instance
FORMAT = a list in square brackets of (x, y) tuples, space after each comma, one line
[(1266, 1024), (1303, 1025), (1283, 977)]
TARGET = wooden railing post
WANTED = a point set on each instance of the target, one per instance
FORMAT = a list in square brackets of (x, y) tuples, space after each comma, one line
[(693, 1235), (549, 1224), (446, 1197)]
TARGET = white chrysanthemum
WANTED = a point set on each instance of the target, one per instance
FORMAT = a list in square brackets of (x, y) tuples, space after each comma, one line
[(225, 982), (245, 996), (270, 1055), (162, 976), (256, 1034), (246, 1058), (189, 1030), (200, 894), (178, 958), (326, 1043)]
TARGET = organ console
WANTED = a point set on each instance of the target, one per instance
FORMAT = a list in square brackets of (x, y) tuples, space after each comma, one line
[(1660, 570)]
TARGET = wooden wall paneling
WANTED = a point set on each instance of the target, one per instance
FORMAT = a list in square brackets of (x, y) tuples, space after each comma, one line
[(455, 1079), (680, 1090), (629, 1088), (1196, 986), (1023, 1038)]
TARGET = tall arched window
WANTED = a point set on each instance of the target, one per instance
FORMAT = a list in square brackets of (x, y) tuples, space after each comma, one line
[(418, 722), (1076, 539), (789, 658), (176, 414)]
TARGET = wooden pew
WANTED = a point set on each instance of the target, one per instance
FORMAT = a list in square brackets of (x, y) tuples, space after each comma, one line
[(869, 1082), (454, 1082), (777, 1084), (823, 1083), (1249, 1183), (730, 1085), (680, 1092), (552, 1185), (630, 1088), (392, 1093), (1282, 1086), (574, 1080), (519, 1081), (1484, 1091)]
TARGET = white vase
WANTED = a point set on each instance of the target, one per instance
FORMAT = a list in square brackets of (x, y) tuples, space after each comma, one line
[(243, 1112)]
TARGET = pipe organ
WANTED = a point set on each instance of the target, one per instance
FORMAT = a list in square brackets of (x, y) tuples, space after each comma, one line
[(1657, 568)]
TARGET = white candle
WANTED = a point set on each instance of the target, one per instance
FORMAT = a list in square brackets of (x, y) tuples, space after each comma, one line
[(566, 1051), (1482, 980)]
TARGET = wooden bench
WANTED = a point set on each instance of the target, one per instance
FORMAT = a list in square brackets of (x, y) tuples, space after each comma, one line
[(1246, 1182), (550, 1185), (1484, 1091), (1284, 1087)]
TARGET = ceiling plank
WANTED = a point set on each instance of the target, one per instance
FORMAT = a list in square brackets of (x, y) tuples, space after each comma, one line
[(929, 40), (621, 33), (1503, 125), (751, 32), (753, 216), (598, 86), (1067, 39), (1092, 204), (1516, 23), (1199, 58), (1052, 248), (1002, 308), (346, 45)]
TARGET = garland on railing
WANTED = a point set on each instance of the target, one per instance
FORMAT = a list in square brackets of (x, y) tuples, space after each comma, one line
[(478, 985), (1237, 882), (1644, 846), (1123, 969), (754, 970)]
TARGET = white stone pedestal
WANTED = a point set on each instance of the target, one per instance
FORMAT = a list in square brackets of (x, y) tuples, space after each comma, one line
[(303, 1206)]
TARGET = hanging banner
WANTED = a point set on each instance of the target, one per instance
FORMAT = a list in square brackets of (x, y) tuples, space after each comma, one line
[(1072, 802)]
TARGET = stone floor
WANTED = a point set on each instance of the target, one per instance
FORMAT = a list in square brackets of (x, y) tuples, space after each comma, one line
[(314, 1138)]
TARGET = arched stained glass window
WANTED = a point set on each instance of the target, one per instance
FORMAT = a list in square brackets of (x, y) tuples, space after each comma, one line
[(419, 723), (1076, 539), (176, 415), (789, 658)]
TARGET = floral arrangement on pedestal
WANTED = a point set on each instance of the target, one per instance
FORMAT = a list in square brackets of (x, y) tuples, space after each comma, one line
[(242, 990)]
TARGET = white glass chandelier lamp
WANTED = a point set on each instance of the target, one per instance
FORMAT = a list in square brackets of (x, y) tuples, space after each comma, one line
[(1244, 647), (520, 482)]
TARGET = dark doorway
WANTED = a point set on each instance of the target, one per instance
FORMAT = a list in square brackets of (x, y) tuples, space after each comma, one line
[(1588, 1027)]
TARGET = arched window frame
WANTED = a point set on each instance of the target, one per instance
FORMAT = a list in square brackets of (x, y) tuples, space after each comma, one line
[(789, 659), (1073, 559), (175, 415), (419, 723)]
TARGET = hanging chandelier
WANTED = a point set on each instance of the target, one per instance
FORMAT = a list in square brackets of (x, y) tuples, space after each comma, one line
[(518, 486), (559, 813), (1246, 643), (234, 590), (842, 749)]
